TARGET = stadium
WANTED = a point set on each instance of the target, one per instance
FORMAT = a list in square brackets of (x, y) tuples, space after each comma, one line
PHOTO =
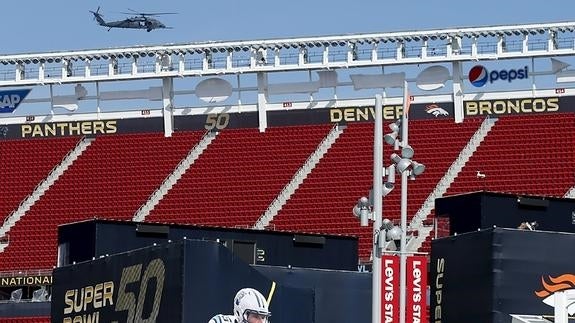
[(280, 136)]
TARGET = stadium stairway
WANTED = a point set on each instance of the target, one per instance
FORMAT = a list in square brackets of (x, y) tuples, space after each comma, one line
[(521, 155), (25, 164), (418, 223), (171, 180), (323, 202), (299, 177), (234, 181), (111, 179), (41, 188)]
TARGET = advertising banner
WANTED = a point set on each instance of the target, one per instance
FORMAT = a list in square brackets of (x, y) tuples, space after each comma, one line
[(416, 286), (138, 286), (489, 275), (390, 288)]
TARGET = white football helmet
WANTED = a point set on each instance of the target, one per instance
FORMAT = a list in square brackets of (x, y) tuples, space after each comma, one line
[(250, 301)]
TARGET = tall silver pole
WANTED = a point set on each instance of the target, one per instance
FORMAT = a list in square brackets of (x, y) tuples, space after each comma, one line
[(377, 209), (403, 247)]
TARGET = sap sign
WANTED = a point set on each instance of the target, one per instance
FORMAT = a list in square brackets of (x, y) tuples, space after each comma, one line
[(11, 99), (479, 75)]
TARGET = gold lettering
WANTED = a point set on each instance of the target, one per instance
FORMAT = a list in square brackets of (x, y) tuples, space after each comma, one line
[(108, 293), (98, 296), (484, 107), (539, 105), (499, 107), (74, 128), (334, 115), (471, 108), (348, 114), (552, 104), (88, 296), (389, 112), (111, 126), (69, 302), (362, 114), (62, 127), (50, 131), (26, 129), (67, 320), (86, 128), (514, 106), (524, 108), (37, 131), (98, 127)]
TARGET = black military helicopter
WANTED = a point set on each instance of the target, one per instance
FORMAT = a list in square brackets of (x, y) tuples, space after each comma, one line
[(140, 20)]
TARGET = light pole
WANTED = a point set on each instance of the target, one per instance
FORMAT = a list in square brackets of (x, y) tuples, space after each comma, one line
[(364, 209), (404, 165)]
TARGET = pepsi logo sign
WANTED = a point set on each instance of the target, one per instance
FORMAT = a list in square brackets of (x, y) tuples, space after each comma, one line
[(479, 75)]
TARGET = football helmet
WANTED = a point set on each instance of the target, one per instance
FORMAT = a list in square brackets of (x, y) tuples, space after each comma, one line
[(250, 301)]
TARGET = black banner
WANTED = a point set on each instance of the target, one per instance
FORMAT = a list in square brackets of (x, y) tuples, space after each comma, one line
[(26, 280), (137, 286), (519, 106), (80, 128), (485, 276), (443, 110)]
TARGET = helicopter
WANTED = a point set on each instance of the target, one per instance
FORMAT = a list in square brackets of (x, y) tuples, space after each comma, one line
[(138, 21)]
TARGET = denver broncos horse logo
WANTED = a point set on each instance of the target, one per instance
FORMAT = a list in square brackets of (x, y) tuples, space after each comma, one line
[(436, 110), (560, 283)]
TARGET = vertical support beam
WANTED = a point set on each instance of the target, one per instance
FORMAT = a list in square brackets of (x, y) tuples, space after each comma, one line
[(134, 65), (302, 56), (277, 61), (457, 92), (20, 72), (551, 41), (262, 100), (403, 211), (400, 51), (449, 48), (474, 47), (424, 47), (377, 210), (525, 44), (253, 53), (112, 67), (64, 69), (207, 60), (87, 69), (158, 64), (351, 52), (229, 59), (374, 52), (167, 105), (500, 45), (41, 71), (181, 63), (325, 55)]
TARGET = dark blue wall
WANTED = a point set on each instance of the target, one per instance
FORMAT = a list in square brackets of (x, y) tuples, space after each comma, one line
[(280, 248)]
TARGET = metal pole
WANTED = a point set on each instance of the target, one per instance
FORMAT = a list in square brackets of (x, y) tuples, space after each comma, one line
[(403, 247), (377, 209)]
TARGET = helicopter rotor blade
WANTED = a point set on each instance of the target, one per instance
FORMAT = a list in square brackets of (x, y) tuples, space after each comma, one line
[(143, 14)]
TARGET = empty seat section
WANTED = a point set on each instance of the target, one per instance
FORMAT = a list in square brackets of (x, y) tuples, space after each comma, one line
[(324, 201), (112, 178), (25, 163), (523, 155), (234, 181)]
